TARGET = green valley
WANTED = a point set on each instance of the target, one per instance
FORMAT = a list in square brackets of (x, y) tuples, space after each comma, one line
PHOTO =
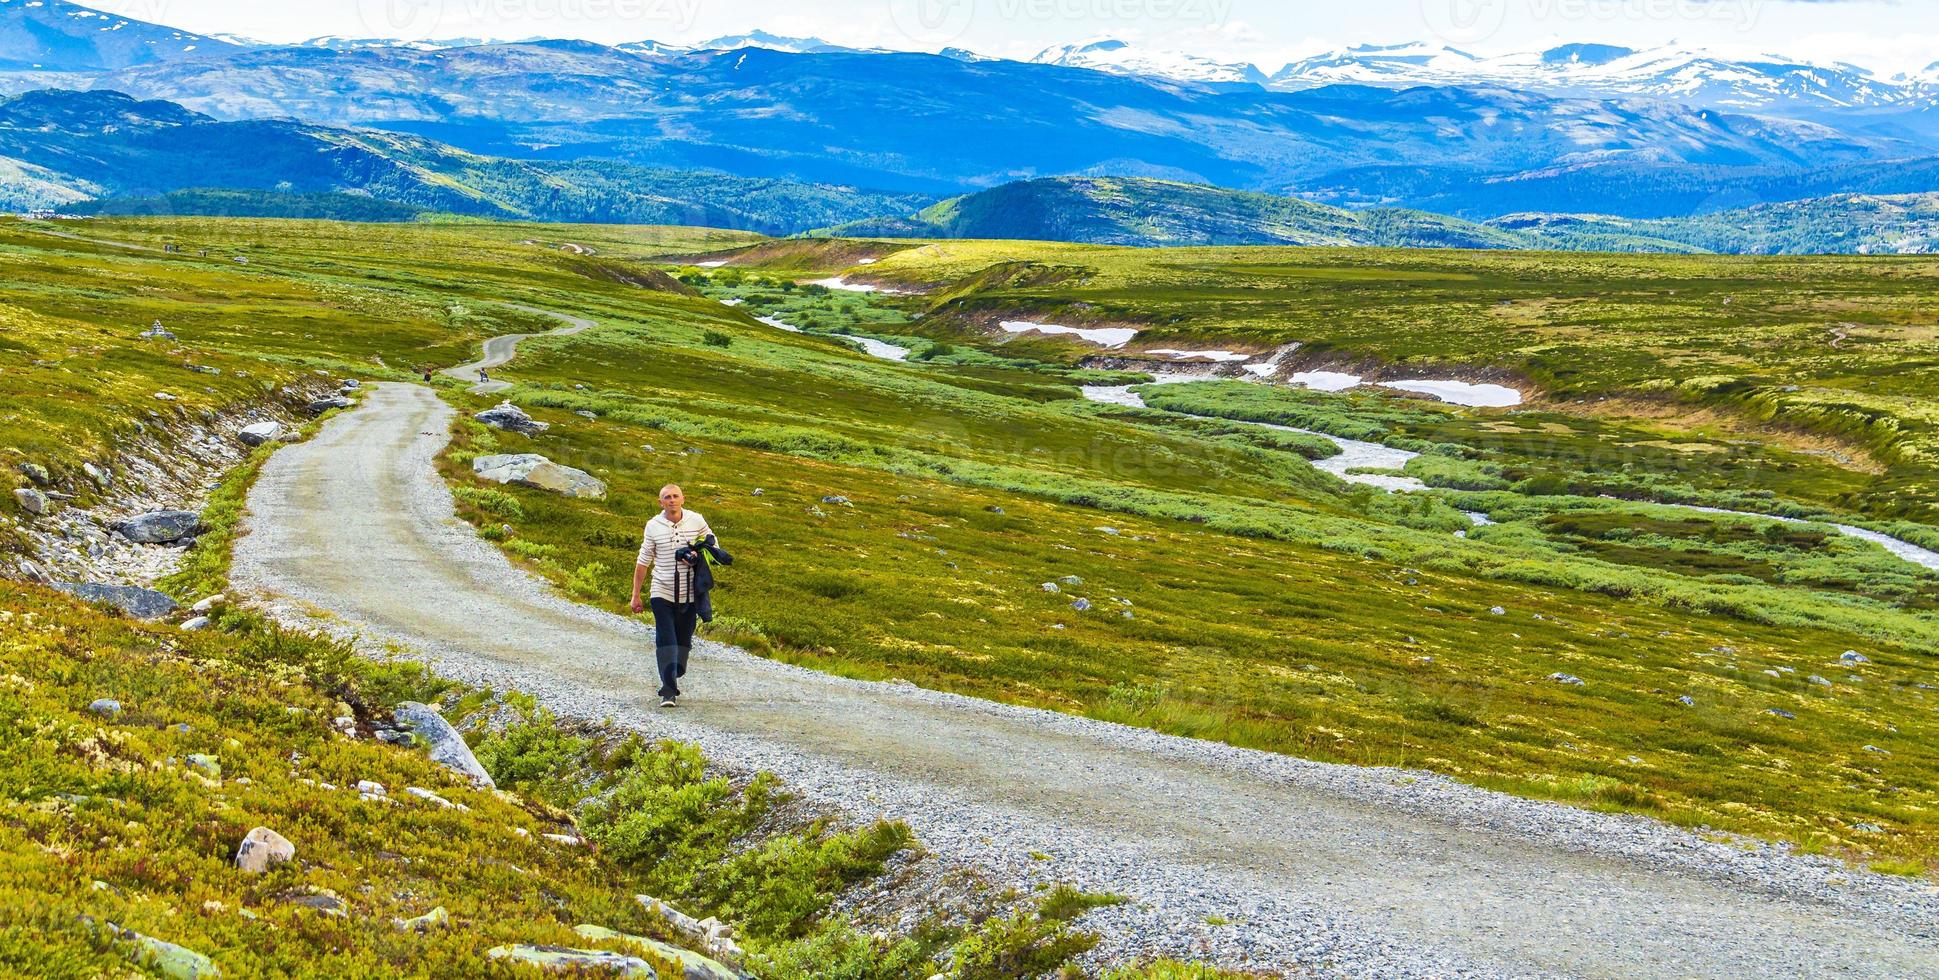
[(907, 519)]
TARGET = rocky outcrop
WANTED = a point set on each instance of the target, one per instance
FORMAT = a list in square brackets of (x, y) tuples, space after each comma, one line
[(165, 958), (564, 959), (534, 470), (322, 405), (511, 418), (712, 935), (32, 501), (161, 527), (693, 965), (442, 742), (135, 601)]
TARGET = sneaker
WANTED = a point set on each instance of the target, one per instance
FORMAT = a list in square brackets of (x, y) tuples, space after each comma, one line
[(666, 702)]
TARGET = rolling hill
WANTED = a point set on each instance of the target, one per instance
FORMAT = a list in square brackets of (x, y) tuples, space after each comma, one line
[(1137, 211), (1895, 224), (59, 148)]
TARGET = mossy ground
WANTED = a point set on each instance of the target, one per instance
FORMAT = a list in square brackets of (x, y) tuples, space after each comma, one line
[(1269, 605)]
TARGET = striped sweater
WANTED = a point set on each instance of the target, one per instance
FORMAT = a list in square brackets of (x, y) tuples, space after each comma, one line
[(657, 545)]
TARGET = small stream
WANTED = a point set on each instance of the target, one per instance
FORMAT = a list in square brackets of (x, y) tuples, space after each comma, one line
[(1354, 454)]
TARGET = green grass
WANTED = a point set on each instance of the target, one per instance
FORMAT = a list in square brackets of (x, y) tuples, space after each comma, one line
[(1269, 606)]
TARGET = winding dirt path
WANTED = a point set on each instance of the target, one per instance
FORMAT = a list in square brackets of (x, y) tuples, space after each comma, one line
[(1327, 868), (499, 351)]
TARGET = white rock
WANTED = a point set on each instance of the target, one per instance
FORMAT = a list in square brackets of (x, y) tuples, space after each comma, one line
[(261, 848)]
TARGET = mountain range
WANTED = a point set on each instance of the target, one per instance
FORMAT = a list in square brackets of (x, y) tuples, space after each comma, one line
[(780, 134), (59, 148)]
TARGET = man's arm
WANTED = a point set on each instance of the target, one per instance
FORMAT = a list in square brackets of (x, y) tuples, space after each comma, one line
[(640, 567)]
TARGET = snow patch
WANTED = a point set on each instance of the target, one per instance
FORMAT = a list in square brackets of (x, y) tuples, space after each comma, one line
[(1325, 380), (1217, 356), (1461, 392), (1102, 336)]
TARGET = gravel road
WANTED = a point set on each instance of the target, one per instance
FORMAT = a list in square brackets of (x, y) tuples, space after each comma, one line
[(1306, 867), (499, 351)]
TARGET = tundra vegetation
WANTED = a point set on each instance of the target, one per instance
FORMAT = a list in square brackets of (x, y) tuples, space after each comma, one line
[(1234, 592)]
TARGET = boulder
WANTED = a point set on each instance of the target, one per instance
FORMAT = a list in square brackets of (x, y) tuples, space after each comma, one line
[(1050, 587), (1853, 657), (322, 405), (36, 473), (135, 601), (717, 940), (261, 848), (208, 604), (98, 474), (105, 707), (32, 501), (1081, 605), (261, 432), (445, 746), (161, 527), (693, 965), (511, 418), (1561, 678), (196, 624), (564, 959), (534, 470)]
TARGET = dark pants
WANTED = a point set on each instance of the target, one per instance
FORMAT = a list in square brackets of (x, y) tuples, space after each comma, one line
[(673, 625)]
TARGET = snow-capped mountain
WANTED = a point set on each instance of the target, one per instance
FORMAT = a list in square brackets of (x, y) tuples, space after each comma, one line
[(51, 35), (1672, 73), (775, 42), (336, 43), (1116, 56)]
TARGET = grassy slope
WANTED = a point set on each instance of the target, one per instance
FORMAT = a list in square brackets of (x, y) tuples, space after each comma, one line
[(1841, 223), (108, 823), (1835, 346), (1297, 617)]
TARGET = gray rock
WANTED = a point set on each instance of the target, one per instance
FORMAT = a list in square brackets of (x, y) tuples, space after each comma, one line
[(1874, 748), (1853, 657), (443, 743), (1071, 580), (1780, 712), (584, 414), (36, 473), (1821, 682), (1497, 611), (1051, 587), (97, 474), (351, 384), (32, 501), (693, 966), (165, 958), (209, 603), (208, 764), (994, 509), (135, 601), (105, 707), (261, 432), (325, 903), (197, 624), (534, 470), (161, 527), (1081, 605), (835, 499), (1687, 700), (331, 403), (511, 418), (262, 848), (564, 959), (1561, 678), (1868, 828), (1109, 530)]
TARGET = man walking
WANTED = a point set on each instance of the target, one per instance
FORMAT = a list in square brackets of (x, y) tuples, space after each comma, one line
[(675, 607)]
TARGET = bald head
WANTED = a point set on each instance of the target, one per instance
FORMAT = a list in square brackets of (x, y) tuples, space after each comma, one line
[(672, 501)]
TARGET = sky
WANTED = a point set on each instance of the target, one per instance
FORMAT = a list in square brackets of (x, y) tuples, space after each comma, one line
[(1888, 35)]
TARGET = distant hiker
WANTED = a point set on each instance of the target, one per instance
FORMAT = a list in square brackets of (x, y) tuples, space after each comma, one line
[(667, 552), (482, 376), (427, 376)]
